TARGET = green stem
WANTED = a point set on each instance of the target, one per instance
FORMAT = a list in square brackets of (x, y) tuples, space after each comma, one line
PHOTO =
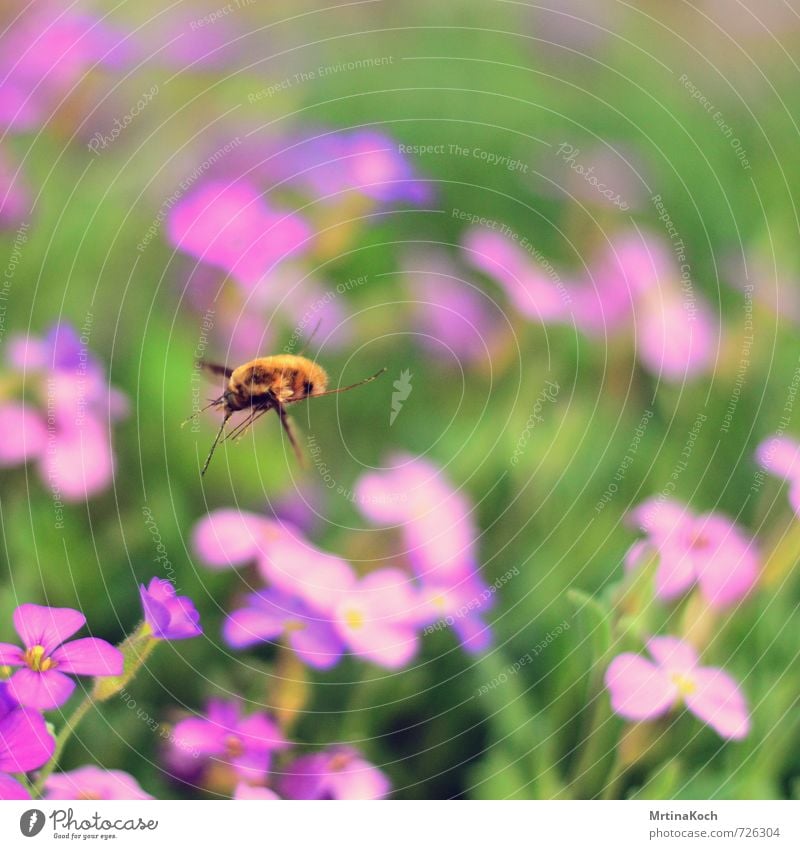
[(614, 784), (61, 741)]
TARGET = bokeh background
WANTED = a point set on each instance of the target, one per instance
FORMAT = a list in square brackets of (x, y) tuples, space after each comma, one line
[(614, 81)]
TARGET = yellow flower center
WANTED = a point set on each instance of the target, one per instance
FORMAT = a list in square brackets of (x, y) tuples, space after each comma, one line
[(35, 659), (354, 619), (440, 601), (684, 684)]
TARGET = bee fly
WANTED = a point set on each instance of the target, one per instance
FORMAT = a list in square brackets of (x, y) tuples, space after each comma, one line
[(268, 383)]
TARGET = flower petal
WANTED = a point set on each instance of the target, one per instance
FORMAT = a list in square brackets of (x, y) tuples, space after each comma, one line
[(25, 742), (317, 644), (11, 789), (639, 689), (675, 572), (780, 456), (24, 434), (89, 656), (246, 791), (390, 646), (79, 461), (251, 625), (196, 736), (11, 655), (228, 538), (46, 626), (718, 701), (672, 654), (728, 572), (40, 690), (91, 782)]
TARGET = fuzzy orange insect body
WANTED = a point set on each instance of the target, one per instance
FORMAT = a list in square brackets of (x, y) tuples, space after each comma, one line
[(269, 383)]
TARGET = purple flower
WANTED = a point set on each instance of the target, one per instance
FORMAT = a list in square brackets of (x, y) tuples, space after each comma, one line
[(641, 689), (42, 681), (337, 773), (780, 456), (364, 161), (25, 742), (92, 782), (68, 436), (46, 52), (226, 740), (170, 616), (708, 549), (272, 614), (231, 226)]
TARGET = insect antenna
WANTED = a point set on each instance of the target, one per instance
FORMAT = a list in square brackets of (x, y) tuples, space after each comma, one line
[(214, 444), (337, 391)]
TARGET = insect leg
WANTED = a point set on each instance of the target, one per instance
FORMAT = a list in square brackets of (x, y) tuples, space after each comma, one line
[(240, 429), (214, 444), (288, 426)]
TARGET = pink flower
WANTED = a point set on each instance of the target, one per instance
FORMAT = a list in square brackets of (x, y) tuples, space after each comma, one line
[(46, 52), (709, 550), (636, 286), (64, 427), (439, 533), (641, 689), (271, 614), (170, 616), (378, 618), (15, 200), (248, 792), (455, 320), (537, 292), (285, 559), (227, 739), (11, 789), (227, 538), (25, 742), (337, 773), (41, 681), (232, 227), (92, 782), (780, 456), (439, 539)]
